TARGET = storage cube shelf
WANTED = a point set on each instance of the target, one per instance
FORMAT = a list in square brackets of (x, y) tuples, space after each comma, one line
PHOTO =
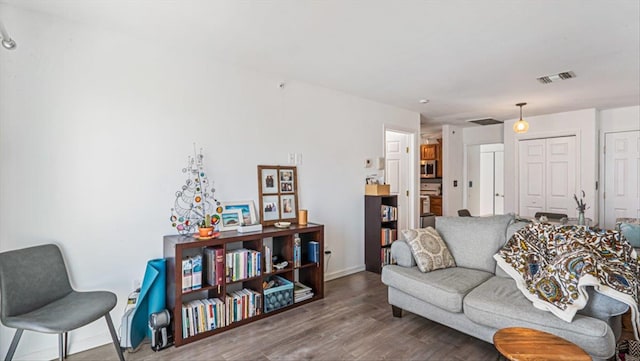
[(234, 269)]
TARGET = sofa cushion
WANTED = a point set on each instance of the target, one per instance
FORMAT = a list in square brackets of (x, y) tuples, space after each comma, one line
[(474, 240), (428, 249), (444, 288), (498, 303), (401, 252)]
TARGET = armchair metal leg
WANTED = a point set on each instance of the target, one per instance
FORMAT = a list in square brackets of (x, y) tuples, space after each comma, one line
[(63, 341), (14, 345), (61, 346), (65, 352), (114, 336)]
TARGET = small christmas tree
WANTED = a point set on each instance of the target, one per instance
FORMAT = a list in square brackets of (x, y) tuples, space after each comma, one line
[(195, 201)]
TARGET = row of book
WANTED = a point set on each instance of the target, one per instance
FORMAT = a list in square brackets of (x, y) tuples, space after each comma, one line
[(243, 304), (388, 213), (242, 263), (202, 315), (387, 236), (385, 256)]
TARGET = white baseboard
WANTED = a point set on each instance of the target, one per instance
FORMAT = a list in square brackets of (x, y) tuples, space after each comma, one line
[(344, 272)]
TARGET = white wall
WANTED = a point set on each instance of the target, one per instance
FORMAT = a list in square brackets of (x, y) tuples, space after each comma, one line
[(95, 127), (611, 121), (582, 124)]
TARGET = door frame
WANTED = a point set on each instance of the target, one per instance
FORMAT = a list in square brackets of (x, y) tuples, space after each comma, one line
[(414, 159), (543, 135)]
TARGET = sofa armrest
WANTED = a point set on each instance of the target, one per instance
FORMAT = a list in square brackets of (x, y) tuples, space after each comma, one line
[(401, 252)]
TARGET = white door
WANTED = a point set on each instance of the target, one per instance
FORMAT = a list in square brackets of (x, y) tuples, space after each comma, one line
[(561, 176), (547, 175), (486, 184), (621, 176), (397, 172), (531, 168)]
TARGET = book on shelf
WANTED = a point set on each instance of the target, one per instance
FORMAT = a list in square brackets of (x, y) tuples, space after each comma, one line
[(268, 260), (313, 251), (243, 263), (213, 264), (386, 257), (202, 315), (186, 274), (196, 272), (387, 236), (242, 304), (388, 213), (296, 252), (301, 292)]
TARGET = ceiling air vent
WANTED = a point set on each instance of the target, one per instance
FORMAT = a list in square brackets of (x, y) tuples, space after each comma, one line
[(486, 121), (555, 77)]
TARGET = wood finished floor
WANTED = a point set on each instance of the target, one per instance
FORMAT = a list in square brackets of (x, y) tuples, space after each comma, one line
[(352, 322)]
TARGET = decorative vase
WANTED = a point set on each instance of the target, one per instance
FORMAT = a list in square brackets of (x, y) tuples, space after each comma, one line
[(581, 221), (205, 231)]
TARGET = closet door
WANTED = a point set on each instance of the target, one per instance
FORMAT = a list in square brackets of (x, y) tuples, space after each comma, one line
[(532, 169), (547, 175), (561, 176)]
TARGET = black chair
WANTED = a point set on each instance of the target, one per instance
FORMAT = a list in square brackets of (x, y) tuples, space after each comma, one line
[(36, 295), (558, 217), (464, 213)]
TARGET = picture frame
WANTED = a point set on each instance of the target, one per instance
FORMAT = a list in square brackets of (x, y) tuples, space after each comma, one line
[(230, 219), (269, 180), (278, 194), (270, 209), (288, 207), (247, 208)]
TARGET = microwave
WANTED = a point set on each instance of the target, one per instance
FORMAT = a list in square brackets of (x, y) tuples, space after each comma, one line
[(428, 168)]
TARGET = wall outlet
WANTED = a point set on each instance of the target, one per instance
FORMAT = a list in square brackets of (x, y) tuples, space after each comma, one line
[(298, 158), (367, 163), (291, 158)]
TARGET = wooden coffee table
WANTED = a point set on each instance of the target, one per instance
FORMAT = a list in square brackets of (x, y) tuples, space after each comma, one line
[(522, 344)]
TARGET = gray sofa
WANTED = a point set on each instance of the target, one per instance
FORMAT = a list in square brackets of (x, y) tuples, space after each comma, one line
[(478, 298)]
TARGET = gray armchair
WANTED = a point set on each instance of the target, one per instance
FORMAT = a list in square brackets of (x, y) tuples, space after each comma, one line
[(36, 295)]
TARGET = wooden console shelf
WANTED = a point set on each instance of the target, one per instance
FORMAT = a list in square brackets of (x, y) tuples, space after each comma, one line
[(282, 244)]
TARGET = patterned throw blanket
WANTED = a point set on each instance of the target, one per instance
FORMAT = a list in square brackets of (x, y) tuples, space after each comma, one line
[(552, 265)]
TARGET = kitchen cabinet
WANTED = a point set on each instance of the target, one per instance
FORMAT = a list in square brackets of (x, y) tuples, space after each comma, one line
[(429, 151), (436, 205)]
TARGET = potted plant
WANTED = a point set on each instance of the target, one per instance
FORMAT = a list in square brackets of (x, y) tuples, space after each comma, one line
[(205, 229)]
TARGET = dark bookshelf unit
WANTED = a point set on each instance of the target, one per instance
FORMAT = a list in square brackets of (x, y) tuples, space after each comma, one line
[(377, 252), (280, 241)]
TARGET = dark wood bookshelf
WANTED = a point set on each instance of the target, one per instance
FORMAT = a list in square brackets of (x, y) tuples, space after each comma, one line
[(373, 225), (177, 247)]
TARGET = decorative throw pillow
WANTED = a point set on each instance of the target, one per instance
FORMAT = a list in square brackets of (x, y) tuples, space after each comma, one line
[(632, 233), (428, 249)]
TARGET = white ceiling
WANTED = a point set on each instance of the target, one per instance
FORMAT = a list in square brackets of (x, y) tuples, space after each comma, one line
[(471, 59)]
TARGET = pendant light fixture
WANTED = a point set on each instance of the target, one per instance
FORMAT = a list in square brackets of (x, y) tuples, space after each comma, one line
[(521, 126)]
